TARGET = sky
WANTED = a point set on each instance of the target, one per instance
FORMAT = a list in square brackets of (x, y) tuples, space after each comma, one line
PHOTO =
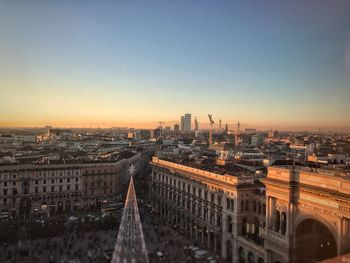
[(269, 64)]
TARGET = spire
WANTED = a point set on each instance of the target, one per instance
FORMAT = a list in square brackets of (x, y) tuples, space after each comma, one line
[(130, 246)]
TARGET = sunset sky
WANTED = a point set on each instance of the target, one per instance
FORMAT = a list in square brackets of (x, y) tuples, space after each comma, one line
[(270, 64)]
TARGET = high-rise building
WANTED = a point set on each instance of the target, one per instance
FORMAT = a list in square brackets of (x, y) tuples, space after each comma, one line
[(196, 124), (176, 127), (187, 122), (182, 123)]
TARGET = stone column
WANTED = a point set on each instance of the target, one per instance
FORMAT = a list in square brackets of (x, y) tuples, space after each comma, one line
[(223, 250), (208, 238), (202, 235), (235, 251)]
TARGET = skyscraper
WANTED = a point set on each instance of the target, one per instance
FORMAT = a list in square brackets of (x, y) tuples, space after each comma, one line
[(182, 123), (187, 122), (196, 124)]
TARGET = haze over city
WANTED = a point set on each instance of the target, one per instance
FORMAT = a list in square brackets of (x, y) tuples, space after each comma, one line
[(192, 131), (283, 65)]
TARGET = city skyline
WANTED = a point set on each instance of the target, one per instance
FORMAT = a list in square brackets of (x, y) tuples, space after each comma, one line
[(271, 65)]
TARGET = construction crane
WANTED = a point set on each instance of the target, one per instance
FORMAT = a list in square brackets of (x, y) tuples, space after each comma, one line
[(237, 134), (211, 128)]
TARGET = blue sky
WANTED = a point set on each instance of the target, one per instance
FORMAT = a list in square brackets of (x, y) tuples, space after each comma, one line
[(283, 64)]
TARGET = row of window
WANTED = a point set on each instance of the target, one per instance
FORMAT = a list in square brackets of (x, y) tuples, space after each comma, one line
[(195, 190), (36, 182), (98, 184), (39, 198), (44, 189), (42, 174)]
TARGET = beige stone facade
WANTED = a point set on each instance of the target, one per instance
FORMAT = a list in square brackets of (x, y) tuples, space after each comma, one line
[(303, 216), (54, 188), (222, 212), (308, 214)]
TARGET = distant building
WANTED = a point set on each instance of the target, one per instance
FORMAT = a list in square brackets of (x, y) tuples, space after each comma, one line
[(257, 140), (187, 122), (250, 130), (167, 130), (176, 127), (273, 133), (182, 123), (196, 124)]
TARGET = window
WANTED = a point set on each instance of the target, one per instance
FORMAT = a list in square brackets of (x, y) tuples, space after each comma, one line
[(60, 188), (277, 221), (284, 223), (229, 224), (44, 189), (36, 182), (52, 189)]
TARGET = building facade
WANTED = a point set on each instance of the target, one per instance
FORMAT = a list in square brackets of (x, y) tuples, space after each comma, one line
[(308, 214), (27, 189), (296, 215), (186, 122), (222, 212)]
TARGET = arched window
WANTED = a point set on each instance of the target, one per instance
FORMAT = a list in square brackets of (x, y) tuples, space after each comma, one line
[(284, 224), (241, 255), (242, 206), (251, 257), (277, 221), (246, 205), (229, 224)]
